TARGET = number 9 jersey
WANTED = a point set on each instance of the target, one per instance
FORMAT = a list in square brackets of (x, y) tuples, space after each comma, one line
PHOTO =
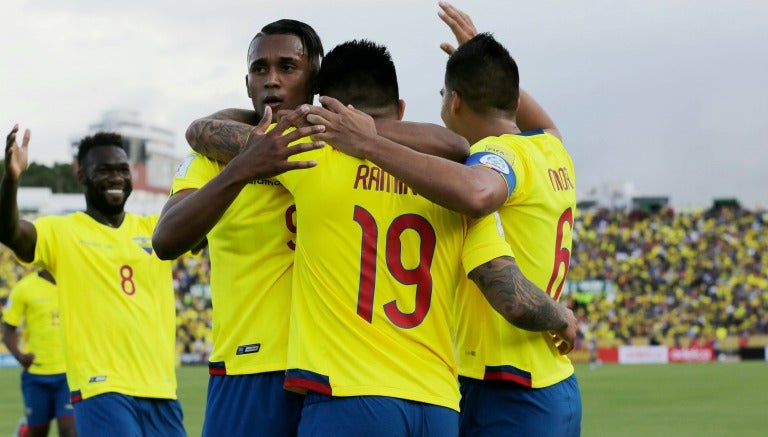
[(375, 277), (537, 219)]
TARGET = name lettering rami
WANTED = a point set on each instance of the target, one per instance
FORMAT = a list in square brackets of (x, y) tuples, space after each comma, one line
[(372, 178)]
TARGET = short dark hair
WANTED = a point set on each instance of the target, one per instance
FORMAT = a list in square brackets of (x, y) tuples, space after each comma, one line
[(360, 73), (310, 40), (484, 74), (99, 139)]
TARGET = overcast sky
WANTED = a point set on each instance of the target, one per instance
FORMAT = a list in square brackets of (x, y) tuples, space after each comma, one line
[(669, 95)]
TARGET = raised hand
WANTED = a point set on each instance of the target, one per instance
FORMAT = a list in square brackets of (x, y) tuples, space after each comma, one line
[(460, 23), (346, 128), (266, 154), (16, 157)]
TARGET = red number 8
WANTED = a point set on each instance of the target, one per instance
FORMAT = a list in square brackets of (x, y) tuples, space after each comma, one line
[(126, 274)]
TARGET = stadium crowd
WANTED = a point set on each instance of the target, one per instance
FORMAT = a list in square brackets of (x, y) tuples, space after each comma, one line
[(674, 278)]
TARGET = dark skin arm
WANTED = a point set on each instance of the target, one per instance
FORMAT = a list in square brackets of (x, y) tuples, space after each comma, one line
[(221, 135), (425, 138), (189, 215), (11, 340), (19, 235), (473, 191), (522, 303)]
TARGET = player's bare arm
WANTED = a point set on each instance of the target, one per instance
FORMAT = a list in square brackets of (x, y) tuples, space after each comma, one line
[(11, 341), (426, 138), (190, 214), (522, 303), (18, 235), (473, 191), (221, 135)]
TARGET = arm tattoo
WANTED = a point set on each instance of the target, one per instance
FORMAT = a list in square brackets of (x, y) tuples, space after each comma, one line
[(219, 139), (516, 298)]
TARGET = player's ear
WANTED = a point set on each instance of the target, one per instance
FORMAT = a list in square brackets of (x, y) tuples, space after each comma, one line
[(248, 88), (80, 174), (400, 109), (456, 102)]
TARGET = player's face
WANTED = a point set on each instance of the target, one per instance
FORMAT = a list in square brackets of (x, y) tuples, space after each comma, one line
[(107, 179), (279, 73)]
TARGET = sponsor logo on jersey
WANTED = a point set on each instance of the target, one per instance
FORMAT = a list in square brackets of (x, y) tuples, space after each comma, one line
[(100, 378), (248, 349)]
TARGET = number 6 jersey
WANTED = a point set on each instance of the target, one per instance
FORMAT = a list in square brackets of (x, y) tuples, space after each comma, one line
[(537, 218), (375, 277), (116, 303)]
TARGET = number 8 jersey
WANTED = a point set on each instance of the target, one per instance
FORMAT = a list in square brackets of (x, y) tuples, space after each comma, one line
[(537, 218), (116, 303), (375, 276)]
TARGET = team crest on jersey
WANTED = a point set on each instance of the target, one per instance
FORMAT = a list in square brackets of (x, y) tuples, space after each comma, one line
[(495, 162), (182, 169), (145, 243)]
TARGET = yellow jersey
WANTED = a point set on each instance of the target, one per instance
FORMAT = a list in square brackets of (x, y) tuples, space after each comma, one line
[(537, 218), (116, 302), (35, 301), (251, 250), (375, 277)]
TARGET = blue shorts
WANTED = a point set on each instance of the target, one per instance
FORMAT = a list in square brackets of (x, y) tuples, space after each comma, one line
[(503, 408), (373, 416), (118, 415), (247, 405), (45, 397)]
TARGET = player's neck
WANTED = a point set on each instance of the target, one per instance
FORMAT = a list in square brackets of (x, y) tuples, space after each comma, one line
[(492, 127), (111, 220)]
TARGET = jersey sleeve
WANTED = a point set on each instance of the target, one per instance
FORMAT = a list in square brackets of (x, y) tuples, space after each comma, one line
[(498, 157), (194, 172), (16, 306), (45, 247), (484, 242)]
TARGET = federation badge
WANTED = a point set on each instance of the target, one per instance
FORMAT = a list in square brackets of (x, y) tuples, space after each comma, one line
[(495, 162)]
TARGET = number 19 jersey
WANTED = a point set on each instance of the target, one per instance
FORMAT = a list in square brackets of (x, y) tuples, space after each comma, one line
[(537, 218), (375, 277)]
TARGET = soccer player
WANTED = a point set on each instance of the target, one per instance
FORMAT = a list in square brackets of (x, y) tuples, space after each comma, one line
[(513, 381), (115, 296), (35, 301), (248, 219), (375, 278)]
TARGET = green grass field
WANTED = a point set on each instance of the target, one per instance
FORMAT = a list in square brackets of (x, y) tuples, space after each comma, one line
[(719, 399)]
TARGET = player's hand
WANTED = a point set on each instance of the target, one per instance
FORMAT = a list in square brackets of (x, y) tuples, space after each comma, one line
[(16, 157), (346, 128), (26, 360), (266, 154), (564, 339), (459, 22)]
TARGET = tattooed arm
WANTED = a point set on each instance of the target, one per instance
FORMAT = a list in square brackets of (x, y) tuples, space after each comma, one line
[(522, 303), (222, 135)]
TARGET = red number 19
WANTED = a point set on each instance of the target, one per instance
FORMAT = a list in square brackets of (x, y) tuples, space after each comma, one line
[(420, 276)]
